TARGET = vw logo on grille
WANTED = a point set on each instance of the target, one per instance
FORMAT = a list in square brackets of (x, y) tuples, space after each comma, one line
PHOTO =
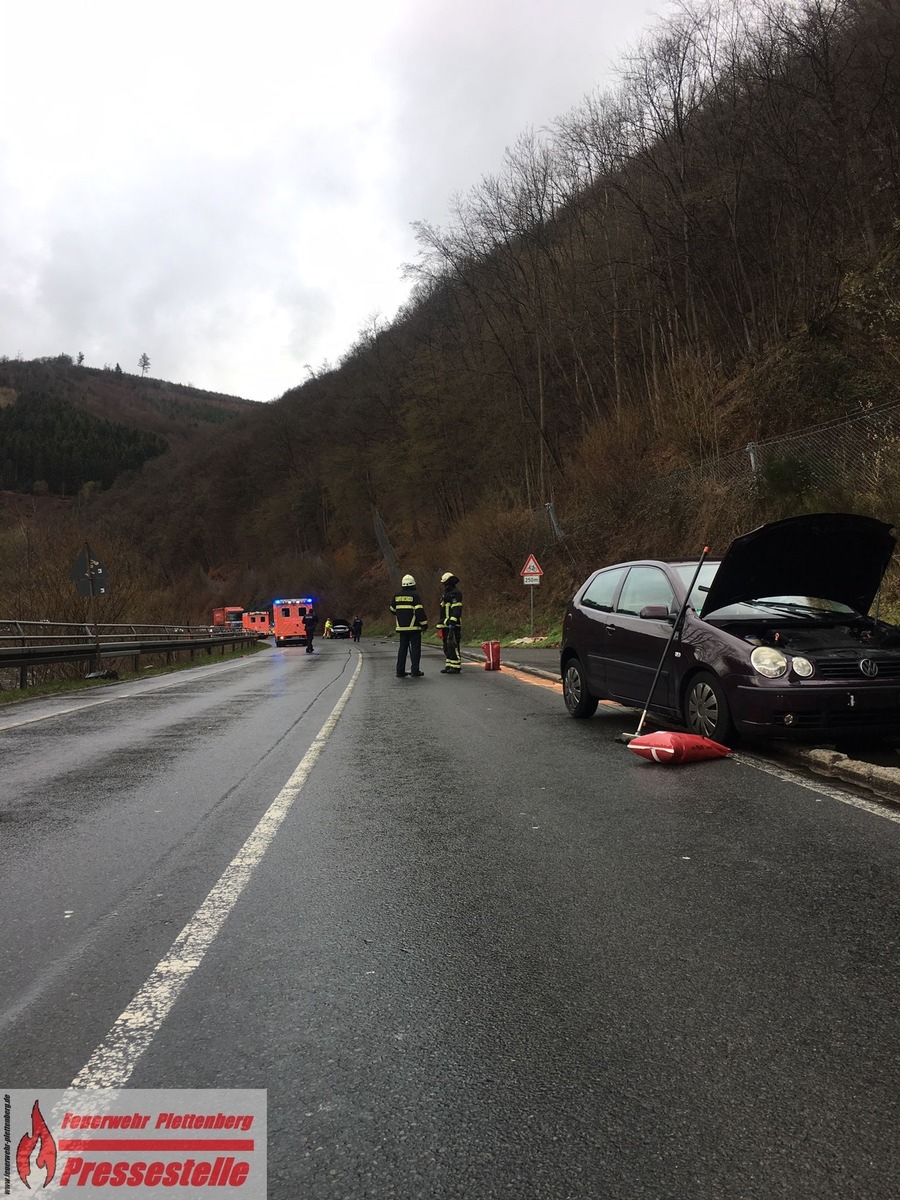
[(869, 668)]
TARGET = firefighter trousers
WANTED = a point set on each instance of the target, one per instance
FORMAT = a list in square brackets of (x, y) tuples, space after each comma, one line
[(451, 647), (410, 643)]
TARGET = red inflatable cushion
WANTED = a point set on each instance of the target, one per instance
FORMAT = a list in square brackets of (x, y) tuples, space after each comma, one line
[(665, 747)]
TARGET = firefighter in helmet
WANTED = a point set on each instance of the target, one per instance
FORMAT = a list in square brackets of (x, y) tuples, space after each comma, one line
[(451, 623), (411, 624)]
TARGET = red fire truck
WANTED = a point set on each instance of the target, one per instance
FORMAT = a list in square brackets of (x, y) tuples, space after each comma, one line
[(228, 618), (287, 619)]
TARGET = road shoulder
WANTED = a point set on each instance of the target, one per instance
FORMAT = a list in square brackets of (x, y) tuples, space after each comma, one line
[(883, 781)]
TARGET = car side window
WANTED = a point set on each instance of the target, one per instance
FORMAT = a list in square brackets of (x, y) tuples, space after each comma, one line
[(645, 585), (601, 591)]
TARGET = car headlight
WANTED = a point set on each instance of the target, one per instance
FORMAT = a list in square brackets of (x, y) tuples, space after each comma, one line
[(768, 661), (802, 667)]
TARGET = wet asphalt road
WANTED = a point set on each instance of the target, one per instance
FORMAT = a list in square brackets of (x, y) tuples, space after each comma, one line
[(489, 952)]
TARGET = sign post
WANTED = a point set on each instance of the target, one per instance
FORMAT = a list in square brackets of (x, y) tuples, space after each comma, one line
[(531, 576), (89, 575)]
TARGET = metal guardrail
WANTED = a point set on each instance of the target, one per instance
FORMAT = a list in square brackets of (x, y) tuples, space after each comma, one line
[(28, 644)]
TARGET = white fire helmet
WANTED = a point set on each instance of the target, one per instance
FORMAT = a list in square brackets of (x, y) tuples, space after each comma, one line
[(447, 575), (407, 581)]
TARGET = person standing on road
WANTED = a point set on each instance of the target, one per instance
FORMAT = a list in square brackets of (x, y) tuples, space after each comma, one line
[(451, 623), (328, 628), (310, 621), (356, 628), (411, 624)]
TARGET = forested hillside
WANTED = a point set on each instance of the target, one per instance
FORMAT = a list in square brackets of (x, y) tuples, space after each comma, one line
[(705, 258), (174, 412), (48, 444)]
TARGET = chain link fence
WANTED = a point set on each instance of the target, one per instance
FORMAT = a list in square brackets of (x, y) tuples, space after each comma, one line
[(856, 459)]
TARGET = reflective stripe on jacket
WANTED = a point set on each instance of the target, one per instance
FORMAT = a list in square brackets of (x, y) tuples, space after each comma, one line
[(451, 608), (407, 608)]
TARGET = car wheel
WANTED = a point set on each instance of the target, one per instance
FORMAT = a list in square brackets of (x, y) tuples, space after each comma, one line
[(706, 710), (279, 641), (579, 700)]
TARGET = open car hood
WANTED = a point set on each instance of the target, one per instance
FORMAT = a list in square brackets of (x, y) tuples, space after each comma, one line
[(831, 556)]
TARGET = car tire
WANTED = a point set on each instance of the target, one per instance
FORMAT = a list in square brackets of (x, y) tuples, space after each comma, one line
[(706, 710), (579, 700), (279, 641)]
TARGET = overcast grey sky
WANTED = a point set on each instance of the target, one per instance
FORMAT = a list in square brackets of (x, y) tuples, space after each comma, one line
[(230, 188)]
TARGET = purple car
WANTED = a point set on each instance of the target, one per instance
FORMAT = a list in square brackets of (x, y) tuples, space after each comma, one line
[(775, 641)]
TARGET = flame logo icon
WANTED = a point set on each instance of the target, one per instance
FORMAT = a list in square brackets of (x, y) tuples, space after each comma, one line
[(46, 1156)]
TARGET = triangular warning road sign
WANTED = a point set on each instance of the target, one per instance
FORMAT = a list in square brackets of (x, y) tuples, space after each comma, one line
[(532, 567)]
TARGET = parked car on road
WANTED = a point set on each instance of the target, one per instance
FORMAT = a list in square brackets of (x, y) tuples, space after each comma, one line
[(775, 641), (340, 629)]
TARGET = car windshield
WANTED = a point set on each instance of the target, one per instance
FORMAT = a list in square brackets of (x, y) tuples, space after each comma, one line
[(800, 606), (686, 571)]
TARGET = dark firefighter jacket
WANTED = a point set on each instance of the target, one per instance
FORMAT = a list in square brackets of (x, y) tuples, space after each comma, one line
[(451, 608), (407, 608)]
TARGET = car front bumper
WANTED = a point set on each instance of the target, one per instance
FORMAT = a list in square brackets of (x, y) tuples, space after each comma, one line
[(807, 712)]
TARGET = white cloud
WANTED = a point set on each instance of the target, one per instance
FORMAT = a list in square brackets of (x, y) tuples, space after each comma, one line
[(230, 188)]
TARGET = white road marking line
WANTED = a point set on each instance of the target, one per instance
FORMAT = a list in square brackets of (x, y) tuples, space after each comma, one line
[(114, 1060), (884, 811), (59, 712), (133, 687)]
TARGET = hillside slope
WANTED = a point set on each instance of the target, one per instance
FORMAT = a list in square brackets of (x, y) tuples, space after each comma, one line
[(704, 261), (170, 410)]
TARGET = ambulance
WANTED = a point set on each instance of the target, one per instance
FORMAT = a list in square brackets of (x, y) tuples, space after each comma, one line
[(287, 620), (258, 623)]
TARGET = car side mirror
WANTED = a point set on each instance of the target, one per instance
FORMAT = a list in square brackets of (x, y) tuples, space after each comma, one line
[(654, 612)]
